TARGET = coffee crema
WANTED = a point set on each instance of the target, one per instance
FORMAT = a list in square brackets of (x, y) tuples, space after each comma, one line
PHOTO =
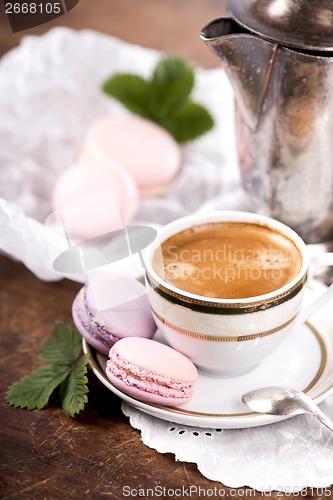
[(228, 260)]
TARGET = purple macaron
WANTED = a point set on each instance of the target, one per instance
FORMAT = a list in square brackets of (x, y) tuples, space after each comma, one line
[(110, 307)]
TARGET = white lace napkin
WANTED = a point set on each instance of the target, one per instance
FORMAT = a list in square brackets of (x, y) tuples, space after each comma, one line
[(49, 95), (286, 456)]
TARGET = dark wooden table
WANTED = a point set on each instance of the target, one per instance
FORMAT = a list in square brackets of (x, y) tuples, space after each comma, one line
[(45, 454)]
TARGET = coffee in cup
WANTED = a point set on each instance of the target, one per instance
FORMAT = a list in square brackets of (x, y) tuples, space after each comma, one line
[(228, 260)]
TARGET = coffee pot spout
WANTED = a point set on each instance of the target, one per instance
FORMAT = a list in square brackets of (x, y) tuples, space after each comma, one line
[(248, 61)]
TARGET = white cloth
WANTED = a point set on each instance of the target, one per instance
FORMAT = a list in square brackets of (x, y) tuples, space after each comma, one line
[(49, 95), (50, 92), (286, 456)]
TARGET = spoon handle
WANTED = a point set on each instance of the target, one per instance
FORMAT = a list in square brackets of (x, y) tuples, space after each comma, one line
[(323, 418)]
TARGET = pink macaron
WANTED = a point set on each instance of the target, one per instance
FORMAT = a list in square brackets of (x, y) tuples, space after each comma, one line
[(144, 149), (111, 307), (150, 371), (94, 198)]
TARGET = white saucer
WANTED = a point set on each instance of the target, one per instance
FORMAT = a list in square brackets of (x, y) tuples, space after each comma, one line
[(303, 362)]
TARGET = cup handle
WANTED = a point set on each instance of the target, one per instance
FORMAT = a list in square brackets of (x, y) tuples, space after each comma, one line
[(315, 264)]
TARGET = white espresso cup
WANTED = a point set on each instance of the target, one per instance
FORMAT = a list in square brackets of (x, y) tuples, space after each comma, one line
[(228, 337)]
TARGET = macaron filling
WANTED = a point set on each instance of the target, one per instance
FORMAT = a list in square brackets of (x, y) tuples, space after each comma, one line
[(147, 381)]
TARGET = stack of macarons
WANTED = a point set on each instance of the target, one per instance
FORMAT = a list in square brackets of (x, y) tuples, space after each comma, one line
[(124, 155), (112, 313)]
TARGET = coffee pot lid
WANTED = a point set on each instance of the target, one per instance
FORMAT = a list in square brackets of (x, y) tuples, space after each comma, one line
[(302, 24)]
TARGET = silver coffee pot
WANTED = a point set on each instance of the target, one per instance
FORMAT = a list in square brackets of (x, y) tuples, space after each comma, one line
[(278, 55)]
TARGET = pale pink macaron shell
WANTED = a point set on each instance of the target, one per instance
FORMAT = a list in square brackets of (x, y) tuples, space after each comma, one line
[(112, 306), (151, 359), (120, 303), (147, 151), (95, 198)]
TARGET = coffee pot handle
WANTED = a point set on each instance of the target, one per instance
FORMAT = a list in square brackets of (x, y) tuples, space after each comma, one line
[(316, 263)]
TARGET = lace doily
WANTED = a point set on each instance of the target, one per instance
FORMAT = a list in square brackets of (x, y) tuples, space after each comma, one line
[(285, 456)]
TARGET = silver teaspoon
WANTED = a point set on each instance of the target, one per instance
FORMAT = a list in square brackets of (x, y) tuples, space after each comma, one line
[(283, 401)]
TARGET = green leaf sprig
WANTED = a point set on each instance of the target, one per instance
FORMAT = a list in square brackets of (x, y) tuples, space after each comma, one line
[(66, 369), (165, 98)]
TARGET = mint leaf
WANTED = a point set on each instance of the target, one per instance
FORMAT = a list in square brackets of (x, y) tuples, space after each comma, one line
[(171, 83), (132, 91), (67, 368), (188, 121), (74, 389), (164, 98), (63, 347), (33, 392)]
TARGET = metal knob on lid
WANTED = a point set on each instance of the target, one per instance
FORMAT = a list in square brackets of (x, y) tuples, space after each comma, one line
[(302, 24)]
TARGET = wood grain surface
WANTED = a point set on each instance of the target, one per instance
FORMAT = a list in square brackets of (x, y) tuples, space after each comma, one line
[(45, 454)]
